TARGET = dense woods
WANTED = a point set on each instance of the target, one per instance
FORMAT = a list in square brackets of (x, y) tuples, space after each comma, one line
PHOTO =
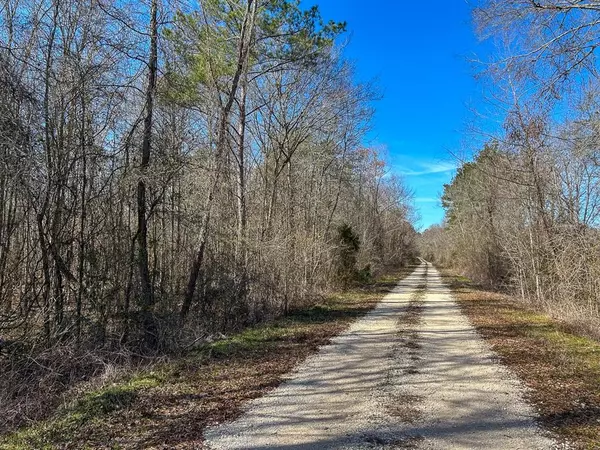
[(524, 214), (168, 171)]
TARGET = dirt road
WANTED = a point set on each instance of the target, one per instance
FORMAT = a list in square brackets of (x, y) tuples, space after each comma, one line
[(411, 374)]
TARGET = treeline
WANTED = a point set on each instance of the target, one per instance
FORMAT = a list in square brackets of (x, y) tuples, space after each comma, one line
[(173, 170), (524, 215)]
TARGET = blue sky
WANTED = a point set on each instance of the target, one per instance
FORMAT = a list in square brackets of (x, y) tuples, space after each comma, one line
[(419, 53)]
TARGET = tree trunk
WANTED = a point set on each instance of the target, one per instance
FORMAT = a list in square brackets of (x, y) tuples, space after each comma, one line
[(82, 217), (241, 175), (147, 294), (243, 53)]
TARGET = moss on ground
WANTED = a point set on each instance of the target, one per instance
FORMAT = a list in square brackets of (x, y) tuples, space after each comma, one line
[(90, 407)]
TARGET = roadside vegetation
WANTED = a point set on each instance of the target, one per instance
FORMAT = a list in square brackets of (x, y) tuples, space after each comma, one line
[(168, 402), (170, 172), (523, 210), (559, 366)]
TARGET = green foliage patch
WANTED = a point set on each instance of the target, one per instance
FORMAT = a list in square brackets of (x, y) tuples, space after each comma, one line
[(92, 406)]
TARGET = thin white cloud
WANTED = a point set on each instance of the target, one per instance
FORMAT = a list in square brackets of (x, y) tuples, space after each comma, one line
[(427, 200), (427, 168)]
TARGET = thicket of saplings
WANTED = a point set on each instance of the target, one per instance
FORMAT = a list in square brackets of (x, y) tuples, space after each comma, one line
[(526, 221), (169, 174)]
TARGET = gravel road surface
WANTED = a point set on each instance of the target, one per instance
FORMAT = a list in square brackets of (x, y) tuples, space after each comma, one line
[(412, 373)]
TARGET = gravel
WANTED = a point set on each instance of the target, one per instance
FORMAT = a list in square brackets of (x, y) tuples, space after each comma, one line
[(394, 380)]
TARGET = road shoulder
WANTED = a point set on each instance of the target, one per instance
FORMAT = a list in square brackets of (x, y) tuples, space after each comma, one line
[(560, 368)]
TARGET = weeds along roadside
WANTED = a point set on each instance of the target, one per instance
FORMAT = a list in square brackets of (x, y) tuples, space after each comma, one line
[(170, 402)]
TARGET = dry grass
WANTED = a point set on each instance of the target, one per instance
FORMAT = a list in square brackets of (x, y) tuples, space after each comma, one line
[(168, 405), (561, 367)]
